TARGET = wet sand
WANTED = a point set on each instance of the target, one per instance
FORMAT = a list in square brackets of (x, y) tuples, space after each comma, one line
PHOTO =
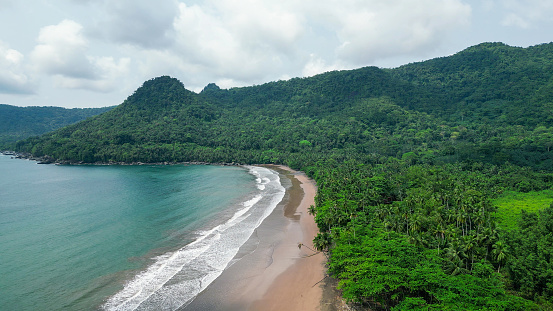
[(270, 272)]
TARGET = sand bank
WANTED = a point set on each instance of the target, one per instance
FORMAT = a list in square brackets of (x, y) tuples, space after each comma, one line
[(270, 271), (299, 286)]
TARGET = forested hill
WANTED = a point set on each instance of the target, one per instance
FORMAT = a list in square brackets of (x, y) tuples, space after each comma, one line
[(408, 163), (490, 82), (489, 103), (18, 123)]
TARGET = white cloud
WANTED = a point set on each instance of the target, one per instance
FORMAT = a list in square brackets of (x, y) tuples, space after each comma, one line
[(526, 14), (144, 23), (238, 40), (112, 75), (249, 41), (61, 50), (232, 42), (13, 78), (376, 29), (62, 54), (263, 24)]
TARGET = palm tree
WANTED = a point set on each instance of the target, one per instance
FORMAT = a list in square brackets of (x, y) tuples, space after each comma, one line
[(322, 241), (416, 223), (405, 215), (455, 263), (470, 243), (311, 210), (439, 231), (500, 252)]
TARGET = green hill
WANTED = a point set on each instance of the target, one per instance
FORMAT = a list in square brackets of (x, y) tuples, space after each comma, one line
[(407, 163), (18, 123)]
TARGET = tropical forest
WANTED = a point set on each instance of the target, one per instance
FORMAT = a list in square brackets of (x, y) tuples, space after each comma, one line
[(435, 179), (21, 122)]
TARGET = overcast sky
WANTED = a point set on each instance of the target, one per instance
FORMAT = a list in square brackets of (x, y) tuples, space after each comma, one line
[(95, 53)]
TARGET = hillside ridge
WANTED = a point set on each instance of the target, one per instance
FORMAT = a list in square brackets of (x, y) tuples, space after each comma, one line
[(446, 104)]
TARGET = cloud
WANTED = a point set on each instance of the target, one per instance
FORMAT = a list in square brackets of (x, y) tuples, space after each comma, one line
[(241, 41), (61, 50), (62, 54), (13, 78), (377, 29), (233, 42), (526, 14), (251, 40), (264, 24), (111, 75), (147, 24)]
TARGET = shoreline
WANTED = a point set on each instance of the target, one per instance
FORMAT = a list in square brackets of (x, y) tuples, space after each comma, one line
[(271, 272), (49, 160), (300, 286)]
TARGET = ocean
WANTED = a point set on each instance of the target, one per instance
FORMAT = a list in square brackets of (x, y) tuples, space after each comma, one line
[(123, 237)]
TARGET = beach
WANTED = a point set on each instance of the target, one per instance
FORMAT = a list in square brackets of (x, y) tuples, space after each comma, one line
[(271, 272), (155, 238)]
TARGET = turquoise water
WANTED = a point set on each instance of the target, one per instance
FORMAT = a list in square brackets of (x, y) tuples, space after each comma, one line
[(122, 237)]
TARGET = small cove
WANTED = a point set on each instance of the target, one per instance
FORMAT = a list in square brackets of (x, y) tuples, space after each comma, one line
[(72, 236)]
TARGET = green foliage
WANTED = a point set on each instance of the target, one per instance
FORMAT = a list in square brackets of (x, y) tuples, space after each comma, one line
[(385, 270), (22, 122), (511, 204), (531, 263), (434, 222)]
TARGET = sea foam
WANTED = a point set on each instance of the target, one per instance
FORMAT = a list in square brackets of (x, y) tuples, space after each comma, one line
[(176, 278)]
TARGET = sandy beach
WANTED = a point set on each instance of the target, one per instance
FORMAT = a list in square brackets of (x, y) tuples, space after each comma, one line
[(299, 287), (270, 271)]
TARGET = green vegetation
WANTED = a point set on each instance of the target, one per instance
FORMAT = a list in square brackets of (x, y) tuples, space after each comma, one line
[(426, 236), (408, 162), (511, 204), (529, 257), (18, 123)]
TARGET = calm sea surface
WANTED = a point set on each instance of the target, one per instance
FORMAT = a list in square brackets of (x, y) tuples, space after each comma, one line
[(123, 237)]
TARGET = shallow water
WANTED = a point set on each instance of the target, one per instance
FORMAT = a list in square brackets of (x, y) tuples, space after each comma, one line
[(122, 237)]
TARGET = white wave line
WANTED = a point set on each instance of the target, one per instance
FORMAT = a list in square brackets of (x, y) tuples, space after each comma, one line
[(167, 266)]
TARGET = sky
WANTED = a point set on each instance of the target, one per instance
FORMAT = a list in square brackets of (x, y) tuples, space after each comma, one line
[(95, 53)]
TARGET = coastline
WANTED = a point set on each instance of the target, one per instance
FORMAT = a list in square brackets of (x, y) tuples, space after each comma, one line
[(300, 286), (270, 271), (49, 160)]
